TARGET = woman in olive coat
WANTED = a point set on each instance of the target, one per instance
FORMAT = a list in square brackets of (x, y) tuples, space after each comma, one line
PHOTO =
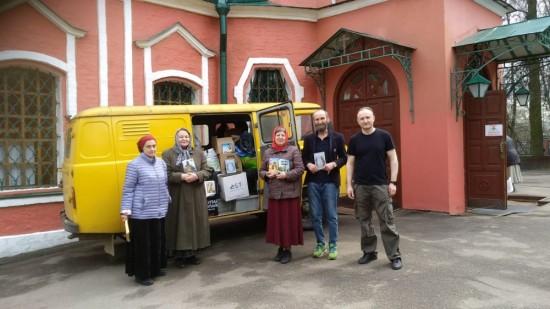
[(187, 227)]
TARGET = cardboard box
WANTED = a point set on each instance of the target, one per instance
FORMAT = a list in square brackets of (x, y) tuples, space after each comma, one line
[(224, 145), (247, 204), (233, 186), (230, 163)]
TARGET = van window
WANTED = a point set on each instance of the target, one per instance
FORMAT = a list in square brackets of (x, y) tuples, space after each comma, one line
[(276, 118), (304, 125)]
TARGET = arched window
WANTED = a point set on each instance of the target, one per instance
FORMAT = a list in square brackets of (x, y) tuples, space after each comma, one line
[(28, 123), (174, 93), (268, 85)]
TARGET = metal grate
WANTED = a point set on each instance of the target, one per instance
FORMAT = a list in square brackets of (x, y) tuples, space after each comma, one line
[(173, 93), (28, 140), (268, 86)]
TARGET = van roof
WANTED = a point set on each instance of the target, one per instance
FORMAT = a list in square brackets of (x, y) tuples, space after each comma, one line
[(182, 109)]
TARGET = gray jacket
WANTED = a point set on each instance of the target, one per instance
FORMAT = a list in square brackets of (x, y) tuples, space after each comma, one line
[(291, 186)]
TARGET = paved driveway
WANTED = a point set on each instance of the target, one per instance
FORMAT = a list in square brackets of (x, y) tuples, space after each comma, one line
[(469, 261)]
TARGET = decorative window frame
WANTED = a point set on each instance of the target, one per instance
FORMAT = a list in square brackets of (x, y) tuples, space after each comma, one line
[(296, 92), (150, 76)]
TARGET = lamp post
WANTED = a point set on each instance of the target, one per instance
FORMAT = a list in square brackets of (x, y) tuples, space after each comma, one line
[(478, 85), (522, 95)]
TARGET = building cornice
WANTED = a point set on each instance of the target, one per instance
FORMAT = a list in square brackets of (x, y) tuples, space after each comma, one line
[(176, 28), (268, 12)]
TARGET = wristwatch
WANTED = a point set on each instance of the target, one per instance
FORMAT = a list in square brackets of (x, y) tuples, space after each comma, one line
[(394, 182)]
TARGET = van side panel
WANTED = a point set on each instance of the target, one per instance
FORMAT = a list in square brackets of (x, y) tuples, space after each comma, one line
[(94, 177)]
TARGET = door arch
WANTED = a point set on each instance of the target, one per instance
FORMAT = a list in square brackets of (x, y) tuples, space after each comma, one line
[(369, 84)]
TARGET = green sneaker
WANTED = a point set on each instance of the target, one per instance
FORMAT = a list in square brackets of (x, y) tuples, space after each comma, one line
[(332, 252), (319, 250)]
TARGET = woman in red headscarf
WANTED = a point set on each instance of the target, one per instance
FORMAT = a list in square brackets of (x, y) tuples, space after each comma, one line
[(144, 205), (282, 169)]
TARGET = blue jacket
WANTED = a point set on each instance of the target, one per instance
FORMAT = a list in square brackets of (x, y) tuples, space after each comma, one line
[(145, 191)]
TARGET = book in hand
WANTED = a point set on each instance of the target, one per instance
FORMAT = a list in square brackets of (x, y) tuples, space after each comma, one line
[(284, 166), (189, 166), (319, 158), (127, 228), (273, 165)]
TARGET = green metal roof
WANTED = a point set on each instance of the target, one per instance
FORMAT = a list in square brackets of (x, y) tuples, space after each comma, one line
[(513, 42)]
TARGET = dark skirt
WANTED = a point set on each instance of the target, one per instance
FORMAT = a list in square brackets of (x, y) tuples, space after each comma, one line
[(146, 251), (284, 222)]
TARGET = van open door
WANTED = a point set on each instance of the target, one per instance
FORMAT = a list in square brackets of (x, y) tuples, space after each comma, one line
[(269, 118)]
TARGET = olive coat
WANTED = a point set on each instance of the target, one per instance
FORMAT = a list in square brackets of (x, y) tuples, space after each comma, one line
[(187, 226)]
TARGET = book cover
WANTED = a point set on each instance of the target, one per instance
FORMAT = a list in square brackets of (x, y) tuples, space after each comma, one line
[(210, 188), (230, 166), (273, 165), (284, 165), (319, 158), (189, 165)]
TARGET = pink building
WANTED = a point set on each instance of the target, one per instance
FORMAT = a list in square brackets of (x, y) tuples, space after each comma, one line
[(60, 57)]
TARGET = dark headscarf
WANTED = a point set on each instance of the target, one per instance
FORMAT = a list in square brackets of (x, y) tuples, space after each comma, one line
[(144, 140)]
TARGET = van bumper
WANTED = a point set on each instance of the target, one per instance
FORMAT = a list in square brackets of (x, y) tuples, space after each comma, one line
[(68, 225)]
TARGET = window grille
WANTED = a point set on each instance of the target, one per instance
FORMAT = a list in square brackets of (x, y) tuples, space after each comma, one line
[(28, 139), (173, 93), (268, 86)]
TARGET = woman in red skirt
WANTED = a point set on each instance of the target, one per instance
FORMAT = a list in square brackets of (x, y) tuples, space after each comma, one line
[(282, 169)]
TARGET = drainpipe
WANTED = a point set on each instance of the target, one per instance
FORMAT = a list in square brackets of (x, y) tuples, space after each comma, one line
[(222, 7)]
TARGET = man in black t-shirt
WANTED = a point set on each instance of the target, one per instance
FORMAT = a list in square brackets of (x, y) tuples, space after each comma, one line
[(368, 185)]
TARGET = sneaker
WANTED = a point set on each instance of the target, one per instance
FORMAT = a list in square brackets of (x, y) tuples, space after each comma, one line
[(367, 257), (332, 252), (319, 250)]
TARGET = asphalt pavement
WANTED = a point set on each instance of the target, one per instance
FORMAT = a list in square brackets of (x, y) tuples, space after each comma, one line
[(465, 261)]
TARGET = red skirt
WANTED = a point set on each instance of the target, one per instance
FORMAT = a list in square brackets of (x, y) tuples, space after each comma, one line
[(284, 222)]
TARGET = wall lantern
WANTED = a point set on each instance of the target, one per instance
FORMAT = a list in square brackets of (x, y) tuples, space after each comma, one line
[(522, 95), (478, 85)]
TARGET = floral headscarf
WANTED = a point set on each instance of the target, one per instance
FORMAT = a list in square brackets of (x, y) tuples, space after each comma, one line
[(274, 144)]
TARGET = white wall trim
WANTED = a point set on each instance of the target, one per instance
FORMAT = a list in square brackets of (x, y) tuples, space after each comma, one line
[(72, 89), (55, 19), (18, 244), (239, 90), (128, 55), (186, 35), (103, 54), (148, 72), (206, 83), (492, 6)]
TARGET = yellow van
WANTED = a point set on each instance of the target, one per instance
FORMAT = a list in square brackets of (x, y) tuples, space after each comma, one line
[(100, 142)]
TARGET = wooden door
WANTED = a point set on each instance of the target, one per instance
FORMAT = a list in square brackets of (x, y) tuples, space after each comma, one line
[(485, 138), (370, 84)]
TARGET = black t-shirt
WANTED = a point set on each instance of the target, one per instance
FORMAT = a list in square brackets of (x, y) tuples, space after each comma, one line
[(370, 153)]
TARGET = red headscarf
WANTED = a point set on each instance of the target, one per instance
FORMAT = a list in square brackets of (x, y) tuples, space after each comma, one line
[(144, 140), (274, 145)]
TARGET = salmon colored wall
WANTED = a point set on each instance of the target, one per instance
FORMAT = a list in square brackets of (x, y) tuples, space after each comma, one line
[(23, 28), (174, 53), (154, 19), (247, 40), (434, 127), (30, 219)]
